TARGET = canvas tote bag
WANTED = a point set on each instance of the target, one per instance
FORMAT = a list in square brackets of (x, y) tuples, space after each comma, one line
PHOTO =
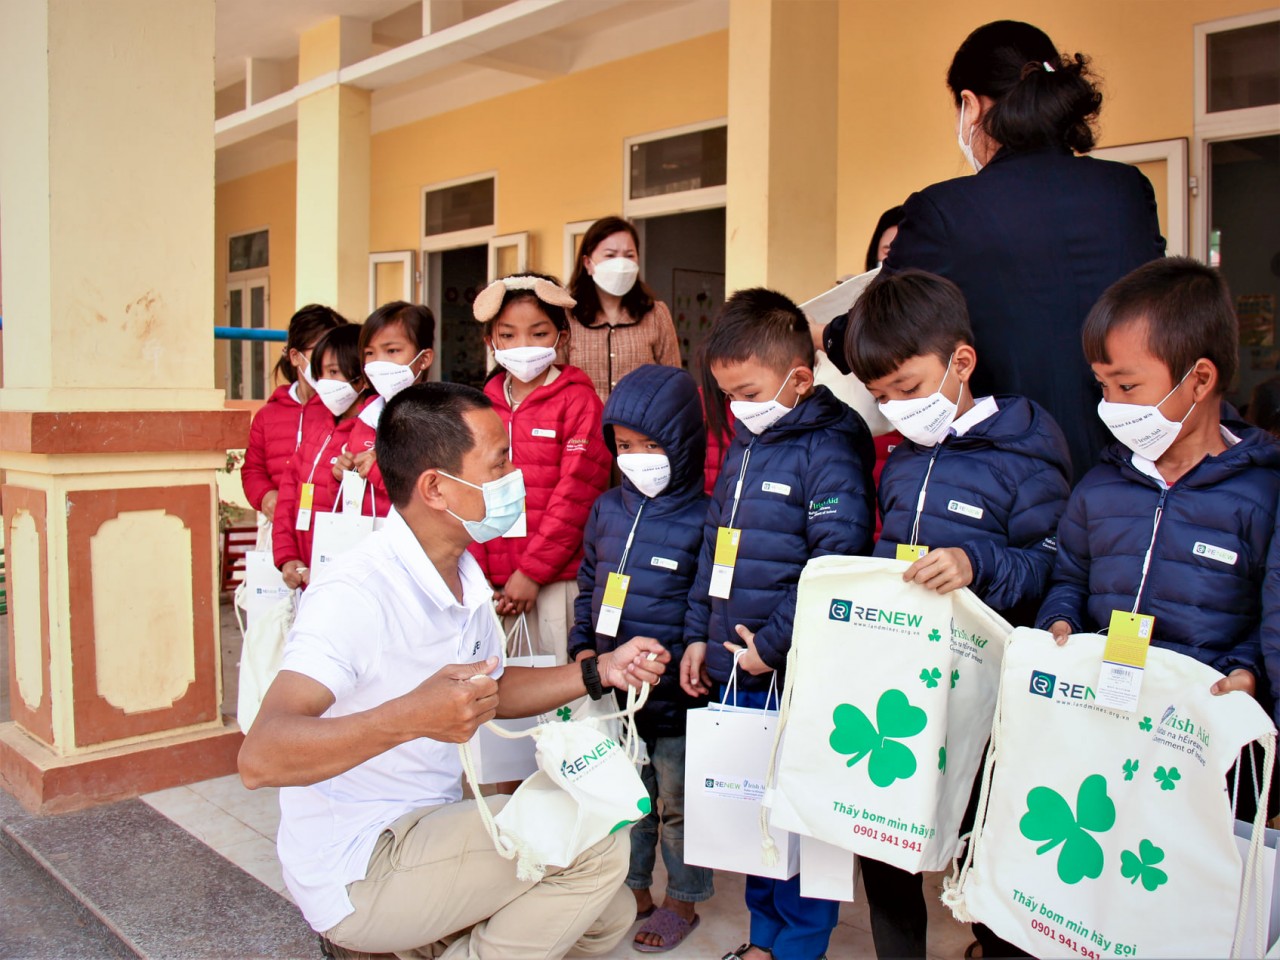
[(1108, 833), (889, 695)]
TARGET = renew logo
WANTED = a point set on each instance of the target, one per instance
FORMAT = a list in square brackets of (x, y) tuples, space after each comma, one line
[(1048, 686), (848, 611)]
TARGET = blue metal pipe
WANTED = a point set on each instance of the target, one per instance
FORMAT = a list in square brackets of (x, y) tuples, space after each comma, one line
[(249, 333)]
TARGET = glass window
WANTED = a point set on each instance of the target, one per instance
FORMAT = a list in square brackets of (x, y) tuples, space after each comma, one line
[(248, 251), (1244, 67), (687, 161), (461, 207)]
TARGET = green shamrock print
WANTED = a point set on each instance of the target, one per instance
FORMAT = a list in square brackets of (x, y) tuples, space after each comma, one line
[(1142, 865), (896, 719), (942, 758), (1049, 817), (1130, 768), (564, 713), (644, 805), (934, 635), (1145, 724), (1168, 779), (955, 676), (930, 677)]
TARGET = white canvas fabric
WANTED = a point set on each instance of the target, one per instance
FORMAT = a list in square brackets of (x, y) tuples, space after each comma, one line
[(586, 788), (889, 695), (1108, 833), (260, 656)]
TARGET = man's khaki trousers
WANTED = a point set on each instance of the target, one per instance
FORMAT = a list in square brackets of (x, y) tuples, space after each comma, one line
[(437, 888)]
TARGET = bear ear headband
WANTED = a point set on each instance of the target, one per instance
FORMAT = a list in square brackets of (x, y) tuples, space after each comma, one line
[(489, 301)]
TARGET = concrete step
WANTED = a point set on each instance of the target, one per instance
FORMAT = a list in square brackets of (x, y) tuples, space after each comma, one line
[(129, 880)]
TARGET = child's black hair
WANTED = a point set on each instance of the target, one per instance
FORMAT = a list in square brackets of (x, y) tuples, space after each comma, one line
[(1187, 310), (418, 321), (753, 324), (305, 328), (904, 315), (345, 342), (557, 315)]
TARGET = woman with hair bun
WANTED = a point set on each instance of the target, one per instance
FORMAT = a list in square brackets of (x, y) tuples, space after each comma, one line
[(1039, 233)]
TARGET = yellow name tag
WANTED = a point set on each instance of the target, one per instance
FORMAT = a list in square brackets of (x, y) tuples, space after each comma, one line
[(911, 553), (726, 558), (615, 597), (1124, 659), (304, 506)]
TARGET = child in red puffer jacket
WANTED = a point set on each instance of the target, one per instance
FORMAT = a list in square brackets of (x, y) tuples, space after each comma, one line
[(553, 416)]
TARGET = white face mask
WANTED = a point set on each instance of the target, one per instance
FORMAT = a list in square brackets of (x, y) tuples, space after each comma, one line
[(923, 420), (617, 275), (336, 395), (305, 370), (389, 377), (759, 416), (649, 472), (966, 147), (526, 363), (503, 505), (1143, 428)]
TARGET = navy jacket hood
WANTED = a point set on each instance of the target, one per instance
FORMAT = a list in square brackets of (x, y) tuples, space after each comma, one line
[(663, 404)]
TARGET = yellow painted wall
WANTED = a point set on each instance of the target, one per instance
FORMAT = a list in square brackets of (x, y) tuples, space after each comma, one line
[(556, 147), (897, 122), (263, 199)]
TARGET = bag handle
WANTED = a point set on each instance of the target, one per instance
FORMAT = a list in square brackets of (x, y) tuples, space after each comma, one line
[(519, 630), (731, 688), (769, 849)]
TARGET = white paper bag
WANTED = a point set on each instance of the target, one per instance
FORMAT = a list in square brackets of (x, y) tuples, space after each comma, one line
[(500, 759), (827, 872), (889, 695), (1270, 896), (263, 585), (334, 533), (725, 761), (1112, 832)]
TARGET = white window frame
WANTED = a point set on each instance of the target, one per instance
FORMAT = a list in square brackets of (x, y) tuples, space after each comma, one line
[(519, 241), (403, 257), (1174, 155), (574, 231), (245, 281), (685, 201), (1223, 125), (473, 237)]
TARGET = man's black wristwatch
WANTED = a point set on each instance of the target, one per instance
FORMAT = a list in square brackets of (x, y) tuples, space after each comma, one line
[(591, 678)]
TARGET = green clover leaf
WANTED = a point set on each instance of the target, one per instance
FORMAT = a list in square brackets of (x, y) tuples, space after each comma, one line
[(934, 635), (564, 713), (942, 758), (896, 719), (955, 676), (1145, 724), (1049, 818), (1168, 779), (1142, 865), (644, 805), (930, 677), (1130, 768)]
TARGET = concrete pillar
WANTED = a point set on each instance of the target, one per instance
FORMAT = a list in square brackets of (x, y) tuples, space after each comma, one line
[(333, 173), (780, 221), (110, 434)]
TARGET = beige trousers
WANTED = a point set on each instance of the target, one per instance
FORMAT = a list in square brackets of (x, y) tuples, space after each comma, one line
[(550, 619), (436, 888)]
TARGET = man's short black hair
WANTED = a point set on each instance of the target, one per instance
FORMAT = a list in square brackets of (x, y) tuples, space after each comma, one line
[(1187, 310), (423, 427), (904, 315)]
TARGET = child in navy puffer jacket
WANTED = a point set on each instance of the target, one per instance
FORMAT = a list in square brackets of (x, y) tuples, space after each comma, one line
[(979, 483), (649, 530), (795, 484)]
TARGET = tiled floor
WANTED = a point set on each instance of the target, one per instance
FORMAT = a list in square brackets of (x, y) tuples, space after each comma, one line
[(241, 825)]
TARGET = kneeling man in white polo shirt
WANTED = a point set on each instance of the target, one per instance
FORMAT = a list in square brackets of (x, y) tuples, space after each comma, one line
[(394, 658)]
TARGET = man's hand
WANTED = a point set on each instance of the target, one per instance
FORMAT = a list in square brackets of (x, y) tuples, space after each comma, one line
[(364, 463), (296, 574), (749, 661), (943, 570), (1239, 679), (450, 704), (269, 503), (694, 679), (629, 665), (1060, 630), (518, 595), (345, 461)]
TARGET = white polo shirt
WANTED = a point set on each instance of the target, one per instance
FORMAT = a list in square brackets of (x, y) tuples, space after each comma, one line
[(378, 623)]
